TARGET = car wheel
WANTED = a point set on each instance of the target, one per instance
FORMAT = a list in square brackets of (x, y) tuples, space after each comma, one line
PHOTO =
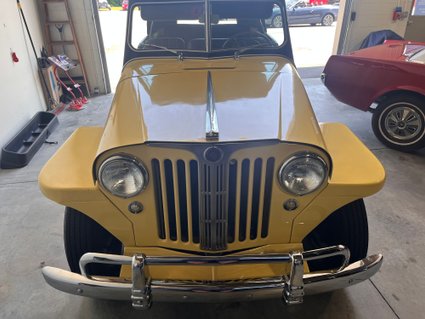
[(346, 226), (399, 122), (328, 19), (277, 21), (82, 235)]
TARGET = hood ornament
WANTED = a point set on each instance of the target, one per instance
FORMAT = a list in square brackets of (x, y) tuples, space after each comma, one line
[(211, 127)]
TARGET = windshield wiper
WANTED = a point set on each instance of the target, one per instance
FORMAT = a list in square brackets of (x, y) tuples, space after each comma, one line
[(238, 52), (177, 53)]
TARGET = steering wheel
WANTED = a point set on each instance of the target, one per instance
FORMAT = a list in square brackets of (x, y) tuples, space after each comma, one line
[(254, 36)]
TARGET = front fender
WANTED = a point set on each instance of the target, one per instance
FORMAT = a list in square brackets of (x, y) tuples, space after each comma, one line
[(356, 173), (67, 179)]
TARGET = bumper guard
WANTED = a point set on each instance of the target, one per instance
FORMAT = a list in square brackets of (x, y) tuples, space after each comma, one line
[(142, 289)]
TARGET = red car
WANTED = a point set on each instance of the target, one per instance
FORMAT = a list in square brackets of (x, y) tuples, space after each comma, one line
[(391, 76), (124, 5)]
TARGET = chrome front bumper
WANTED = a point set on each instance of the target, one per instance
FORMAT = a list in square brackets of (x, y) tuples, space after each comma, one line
[(142, 290)]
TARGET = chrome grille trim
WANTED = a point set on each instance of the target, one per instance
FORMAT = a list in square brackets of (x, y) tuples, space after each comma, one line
[(213, 212)]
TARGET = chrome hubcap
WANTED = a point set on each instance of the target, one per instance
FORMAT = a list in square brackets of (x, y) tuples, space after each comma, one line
[(328, 20), (277, 22), (403, 123)]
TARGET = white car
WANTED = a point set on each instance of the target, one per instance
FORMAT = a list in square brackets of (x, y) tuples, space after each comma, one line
[(103, 4)]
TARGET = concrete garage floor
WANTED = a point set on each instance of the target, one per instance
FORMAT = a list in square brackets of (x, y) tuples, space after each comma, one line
[(31, 236)]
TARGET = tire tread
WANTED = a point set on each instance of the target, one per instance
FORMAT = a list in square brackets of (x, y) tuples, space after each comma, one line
[(346, 226), (81, 235)]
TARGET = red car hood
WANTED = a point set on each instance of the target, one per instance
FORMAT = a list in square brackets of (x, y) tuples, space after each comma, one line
[(391, 50)]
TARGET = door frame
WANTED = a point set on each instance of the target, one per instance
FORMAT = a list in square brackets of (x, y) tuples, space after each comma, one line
[(343, 28), (101, 46)]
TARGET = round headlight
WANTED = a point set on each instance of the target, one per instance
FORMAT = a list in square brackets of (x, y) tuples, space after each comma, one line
[(123, 176), (303, 174)]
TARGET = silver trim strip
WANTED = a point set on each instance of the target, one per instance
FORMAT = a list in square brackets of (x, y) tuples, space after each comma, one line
[(211, 123)]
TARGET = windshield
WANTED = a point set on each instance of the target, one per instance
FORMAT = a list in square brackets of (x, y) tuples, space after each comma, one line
[(190, 26), (418, 56)]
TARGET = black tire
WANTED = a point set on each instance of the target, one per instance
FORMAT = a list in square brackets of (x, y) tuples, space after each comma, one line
[(277, 21), (346, 226), (328, 19), (82, 235), (404, 134)]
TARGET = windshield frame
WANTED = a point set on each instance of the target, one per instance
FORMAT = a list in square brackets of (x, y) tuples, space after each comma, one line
[(285, 49)]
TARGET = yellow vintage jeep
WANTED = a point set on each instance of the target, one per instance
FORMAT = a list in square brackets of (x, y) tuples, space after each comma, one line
[(212, 179)]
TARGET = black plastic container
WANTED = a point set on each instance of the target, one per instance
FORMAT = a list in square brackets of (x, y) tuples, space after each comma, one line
[(22, 148)]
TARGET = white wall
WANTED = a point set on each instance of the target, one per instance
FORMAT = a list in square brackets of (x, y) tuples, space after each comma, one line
[(371, 15), (20, 88)]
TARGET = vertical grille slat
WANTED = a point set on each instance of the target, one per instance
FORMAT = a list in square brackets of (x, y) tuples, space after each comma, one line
[(223, 212), (156, 173), (205, 230), (213, 204), (177, 203), (261, 197), (183, 211), (164, 199), (249, 211), (255, 202), (190, 212), (243, 209), (267, 197), (194, 191), (171, 201), (237, 197), (231, 226)]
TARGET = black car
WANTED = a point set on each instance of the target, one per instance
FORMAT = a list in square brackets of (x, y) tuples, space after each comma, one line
[(299, 12)]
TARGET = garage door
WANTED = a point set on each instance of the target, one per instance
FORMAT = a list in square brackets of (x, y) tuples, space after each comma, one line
[(362, 17)]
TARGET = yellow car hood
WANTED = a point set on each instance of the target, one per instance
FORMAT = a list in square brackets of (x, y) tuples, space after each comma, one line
[(166, 101)]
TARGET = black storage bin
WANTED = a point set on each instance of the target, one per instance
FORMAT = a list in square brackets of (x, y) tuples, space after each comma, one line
[(22, 148)]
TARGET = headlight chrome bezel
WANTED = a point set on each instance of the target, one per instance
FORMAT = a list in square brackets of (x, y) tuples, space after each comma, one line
[(301, 155), (128, 158)]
